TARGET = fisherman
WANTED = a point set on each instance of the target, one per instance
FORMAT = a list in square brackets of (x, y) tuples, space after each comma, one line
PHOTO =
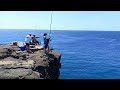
[(46, 41), (35, 41), (28, 39)]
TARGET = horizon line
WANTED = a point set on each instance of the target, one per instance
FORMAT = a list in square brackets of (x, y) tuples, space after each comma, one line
[(60, 29)]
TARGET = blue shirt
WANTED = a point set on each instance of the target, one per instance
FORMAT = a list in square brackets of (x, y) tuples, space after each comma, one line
[(45, 39)]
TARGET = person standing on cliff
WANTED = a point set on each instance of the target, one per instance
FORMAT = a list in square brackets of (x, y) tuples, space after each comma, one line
[(46, 41), (28, 39)]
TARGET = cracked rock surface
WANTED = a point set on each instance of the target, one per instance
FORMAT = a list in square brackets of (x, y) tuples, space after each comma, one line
[(16, 64)]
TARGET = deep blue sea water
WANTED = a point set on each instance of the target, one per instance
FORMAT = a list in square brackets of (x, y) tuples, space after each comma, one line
[(85, 54)]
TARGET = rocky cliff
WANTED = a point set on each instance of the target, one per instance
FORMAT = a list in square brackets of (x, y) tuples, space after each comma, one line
[(16, 64)]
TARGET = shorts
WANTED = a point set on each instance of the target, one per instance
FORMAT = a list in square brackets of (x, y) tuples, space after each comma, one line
[(27, 44), (46, 45)]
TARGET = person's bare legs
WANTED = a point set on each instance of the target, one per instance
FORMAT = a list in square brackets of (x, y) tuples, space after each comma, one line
[(48, 49), (27, 48)]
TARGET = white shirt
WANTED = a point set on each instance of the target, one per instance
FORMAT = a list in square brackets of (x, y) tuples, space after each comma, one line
[(28, 39)]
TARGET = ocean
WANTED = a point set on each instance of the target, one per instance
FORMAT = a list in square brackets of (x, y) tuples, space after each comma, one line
[(85, 54)]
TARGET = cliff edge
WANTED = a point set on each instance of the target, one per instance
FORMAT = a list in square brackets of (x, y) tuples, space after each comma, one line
[(16, 64)]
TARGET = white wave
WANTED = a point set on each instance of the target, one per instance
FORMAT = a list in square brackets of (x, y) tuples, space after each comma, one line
[(112, 40)]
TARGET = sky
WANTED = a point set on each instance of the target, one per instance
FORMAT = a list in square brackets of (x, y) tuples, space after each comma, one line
[(61, 20)]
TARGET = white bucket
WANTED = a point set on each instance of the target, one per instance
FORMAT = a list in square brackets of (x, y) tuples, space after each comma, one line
[(21, 44)]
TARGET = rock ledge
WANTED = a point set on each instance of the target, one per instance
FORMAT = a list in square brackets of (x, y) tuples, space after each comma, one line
[(16, 64)]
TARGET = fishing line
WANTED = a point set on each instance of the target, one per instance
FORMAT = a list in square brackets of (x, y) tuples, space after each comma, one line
[(50, 29)]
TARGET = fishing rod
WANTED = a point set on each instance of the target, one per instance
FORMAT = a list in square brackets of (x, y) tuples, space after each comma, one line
[(51, 27), (51, 23)]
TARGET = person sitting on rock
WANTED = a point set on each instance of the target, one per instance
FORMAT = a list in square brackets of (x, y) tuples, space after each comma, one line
[(35, 41), (46, 41)]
